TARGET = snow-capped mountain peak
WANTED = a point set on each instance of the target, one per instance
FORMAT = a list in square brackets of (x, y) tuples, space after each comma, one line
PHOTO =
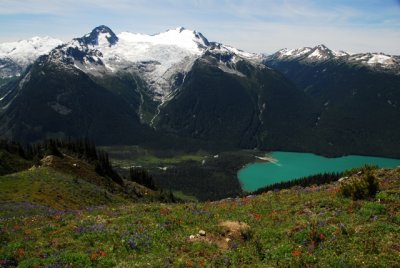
[(322, 47), (293, 52), (317, 53), (99, 35), (320, 53), (156, 58)]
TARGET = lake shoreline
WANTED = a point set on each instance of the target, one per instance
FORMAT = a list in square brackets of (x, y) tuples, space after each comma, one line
[(293, 165)]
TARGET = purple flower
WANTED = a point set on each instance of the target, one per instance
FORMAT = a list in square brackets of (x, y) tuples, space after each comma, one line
[(139, 241), (227, 261), (132, 244), (92, 228), (9, 263)]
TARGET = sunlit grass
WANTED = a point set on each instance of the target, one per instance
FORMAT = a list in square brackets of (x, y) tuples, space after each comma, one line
[(313, 226), (49, 187)]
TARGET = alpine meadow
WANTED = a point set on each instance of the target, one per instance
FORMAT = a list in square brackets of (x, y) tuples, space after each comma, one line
[(271, 140)]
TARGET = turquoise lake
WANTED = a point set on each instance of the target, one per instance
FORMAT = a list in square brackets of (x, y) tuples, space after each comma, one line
[(291, 165)]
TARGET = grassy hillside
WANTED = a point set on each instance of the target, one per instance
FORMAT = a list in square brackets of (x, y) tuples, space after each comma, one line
[(49, 187), (68, 183), (64, 176), (313, 226)]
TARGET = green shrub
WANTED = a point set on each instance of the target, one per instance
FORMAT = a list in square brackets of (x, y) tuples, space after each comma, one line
[(364, 169), (362, 187)]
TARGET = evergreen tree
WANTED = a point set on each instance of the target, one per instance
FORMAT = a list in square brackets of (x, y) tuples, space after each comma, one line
[(141, 176)]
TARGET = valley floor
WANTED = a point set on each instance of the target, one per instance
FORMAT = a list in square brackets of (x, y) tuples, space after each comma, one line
[(300, 227), (197, 175)]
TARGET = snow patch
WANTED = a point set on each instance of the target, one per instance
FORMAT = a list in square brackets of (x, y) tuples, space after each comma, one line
[(61, 109), (25, 52), (226, 69), (5, 95), (320, 53), (380, 59), (293, 53), (340, 53), (24, 80)]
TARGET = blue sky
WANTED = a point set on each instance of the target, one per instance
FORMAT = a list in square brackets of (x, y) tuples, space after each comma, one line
[(251, 25)]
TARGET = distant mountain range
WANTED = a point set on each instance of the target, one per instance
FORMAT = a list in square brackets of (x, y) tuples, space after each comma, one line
[(178, 89), (358, 97), (320, 53)]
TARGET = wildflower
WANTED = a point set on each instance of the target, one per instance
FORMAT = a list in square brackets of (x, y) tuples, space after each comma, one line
[(296, 253), (273, 214), (44, 255), (92, 228), (103, 254), (9, 262), (28, 232), (94, 256), (189, 264), (311, 246), (322, 236), (257, 216), (164, 211), (132, 244), (20, 252), (233, 245), (245, 200)]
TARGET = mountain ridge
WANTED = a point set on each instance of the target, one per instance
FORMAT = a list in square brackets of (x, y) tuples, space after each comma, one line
[(157, 58), (134, 88), (377, 60), (147, 79)]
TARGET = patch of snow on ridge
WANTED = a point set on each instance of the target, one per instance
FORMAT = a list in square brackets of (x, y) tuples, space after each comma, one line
[(376, 60), (317, 54), (245, 55), (296, 52), (25, 52), (103, 39), (380, 59), (340, 53), (320, 52)]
